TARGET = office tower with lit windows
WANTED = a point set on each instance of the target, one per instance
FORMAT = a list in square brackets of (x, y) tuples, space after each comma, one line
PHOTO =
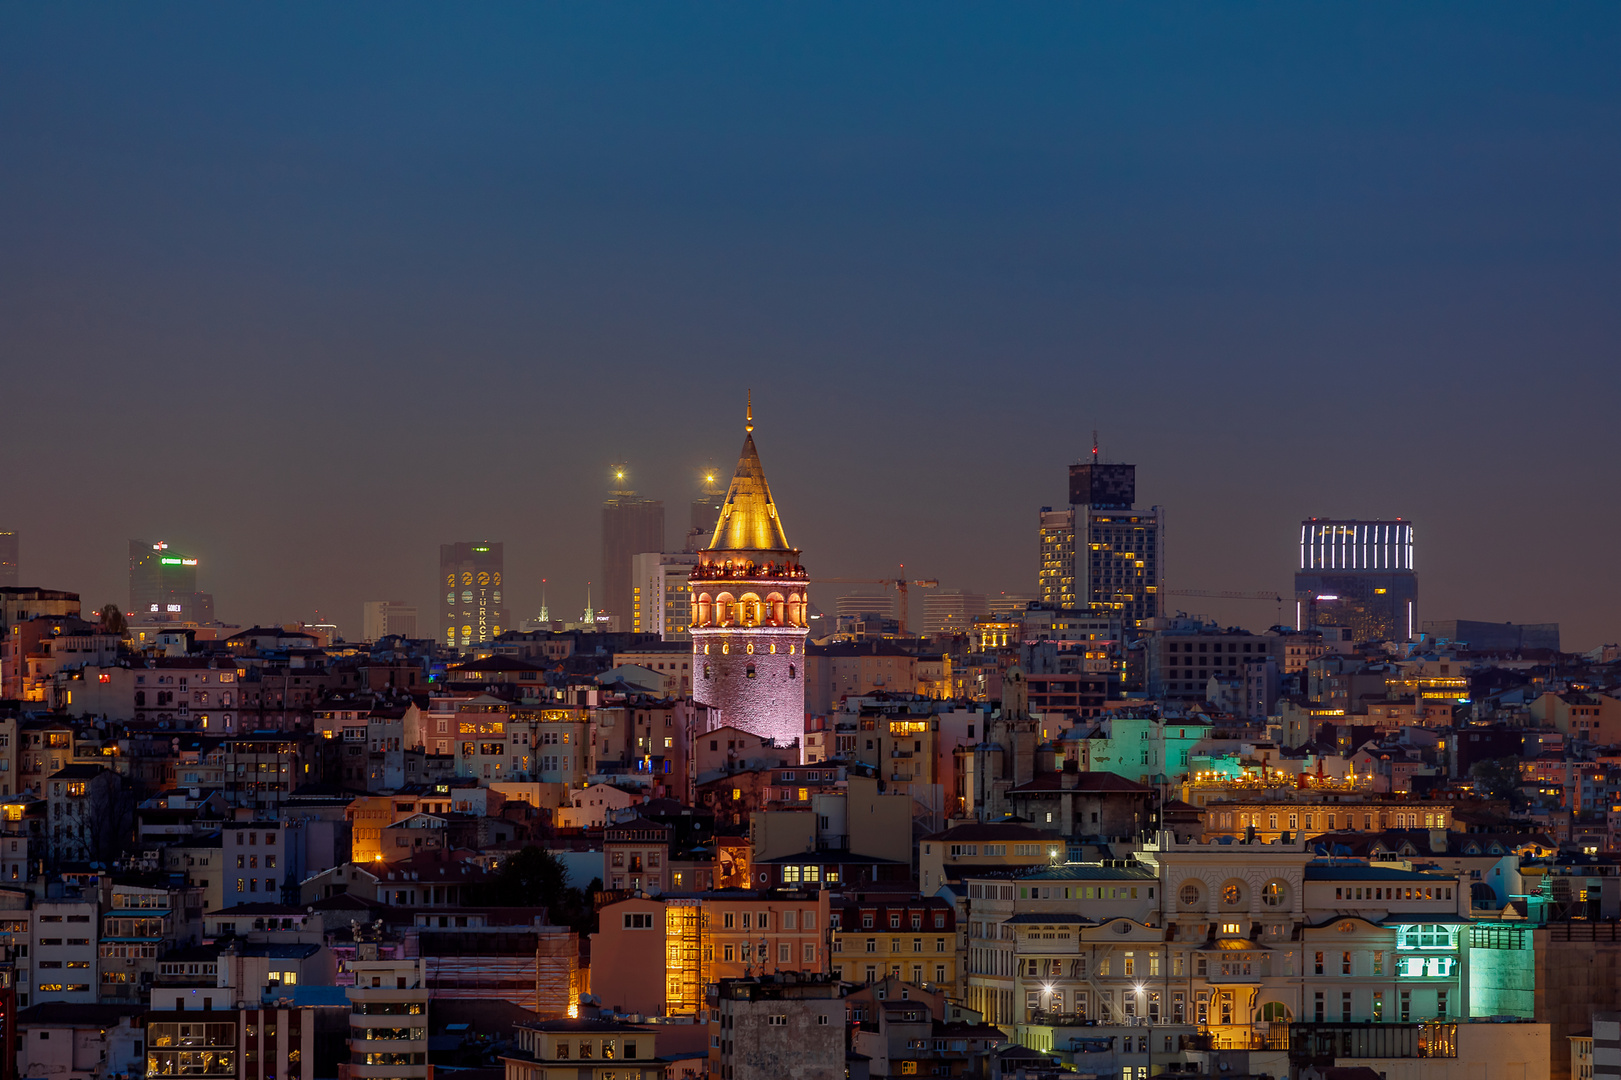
[(1101, 554), (953, 611), (631, 526), (163, 585), (660, 600), (471, 611), (1359, 575), (1057, 575), (9, 557), (749, 617)]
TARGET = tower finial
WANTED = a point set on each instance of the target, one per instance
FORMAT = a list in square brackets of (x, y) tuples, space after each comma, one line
[(748, 424)]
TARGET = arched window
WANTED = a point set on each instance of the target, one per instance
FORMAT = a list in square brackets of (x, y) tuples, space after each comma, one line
[(1189, 895), (1427, 937), (748, 672), (1276, 894), (706, 671), (791, 671)]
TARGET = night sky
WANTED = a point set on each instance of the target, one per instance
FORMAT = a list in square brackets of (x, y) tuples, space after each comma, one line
[(308, 289)]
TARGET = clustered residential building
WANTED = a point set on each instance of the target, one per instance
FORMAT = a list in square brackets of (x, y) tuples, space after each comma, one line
[(711, 833)]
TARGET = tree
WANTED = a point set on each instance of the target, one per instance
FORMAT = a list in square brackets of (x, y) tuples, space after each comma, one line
[(109, 819), (1498, 779), (113, 620), (532, 876)]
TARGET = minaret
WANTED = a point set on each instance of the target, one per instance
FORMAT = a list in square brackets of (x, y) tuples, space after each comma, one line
[(748, 611)]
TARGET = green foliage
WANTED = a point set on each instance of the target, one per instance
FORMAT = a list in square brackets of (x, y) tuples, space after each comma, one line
[(532, 877), (113, 620), (1498, 779)]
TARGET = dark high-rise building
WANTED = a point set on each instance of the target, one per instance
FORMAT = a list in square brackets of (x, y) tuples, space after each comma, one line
[(631, 526), (1101, 554), (9, 555), (705, 512), (163, 585), (1105, 485), (1357, 574), (471, 610)]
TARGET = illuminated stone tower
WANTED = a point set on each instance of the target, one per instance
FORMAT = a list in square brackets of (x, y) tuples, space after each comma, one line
[(748, 611)]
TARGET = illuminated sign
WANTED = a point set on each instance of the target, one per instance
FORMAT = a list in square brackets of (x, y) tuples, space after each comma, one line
[(154, 607), (167, 561), (173, 607), (170, 562)]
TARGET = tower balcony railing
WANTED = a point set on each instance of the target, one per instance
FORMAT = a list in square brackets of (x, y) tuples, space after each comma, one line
[(748, 570)]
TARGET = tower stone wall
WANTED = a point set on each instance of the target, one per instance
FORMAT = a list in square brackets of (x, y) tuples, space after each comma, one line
[(749, 612)]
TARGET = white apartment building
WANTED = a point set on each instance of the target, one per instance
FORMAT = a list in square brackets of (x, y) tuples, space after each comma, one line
[(255, 858), (661, 599), (63, 953)]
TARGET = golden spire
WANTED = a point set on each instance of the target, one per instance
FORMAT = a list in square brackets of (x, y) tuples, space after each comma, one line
[(748, 518)]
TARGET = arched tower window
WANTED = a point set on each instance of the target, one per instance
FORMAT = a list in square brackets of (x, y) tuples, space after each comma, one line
[(776, 609)]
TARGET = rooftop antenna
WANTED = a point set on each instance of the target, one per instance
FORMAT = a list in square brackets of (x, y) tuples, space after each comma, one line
[(1094, 446), (545, 612)]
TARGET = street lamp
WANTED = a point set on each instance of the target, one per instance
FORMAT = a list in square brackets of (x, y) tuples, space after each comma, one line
[(1142, 1011)]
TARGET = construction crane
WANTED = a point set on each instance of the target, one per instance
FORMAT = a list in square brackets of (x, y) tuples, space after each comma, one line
[(1228, 594), (899, 584)]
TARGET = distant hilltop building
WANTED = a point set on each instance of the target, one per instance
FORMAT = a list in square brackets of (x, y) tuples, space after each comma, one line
[(387, 618), (1495, 636), (9, 559), (1359, 575), (749, 611)]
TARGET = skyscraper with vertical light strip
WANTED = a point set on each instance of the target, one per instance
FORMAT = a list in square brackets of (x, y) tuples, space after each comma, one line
[(1357, 574)]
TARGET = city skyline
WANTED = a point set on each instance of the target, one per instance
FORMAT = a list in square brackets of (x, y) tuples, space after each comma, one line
[(1367, 273), (1177, 639), (1228, 611)]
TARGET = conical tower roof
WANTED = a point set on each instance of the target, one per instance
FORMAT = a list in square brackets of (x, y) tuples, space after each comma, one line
[(748, 518)]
